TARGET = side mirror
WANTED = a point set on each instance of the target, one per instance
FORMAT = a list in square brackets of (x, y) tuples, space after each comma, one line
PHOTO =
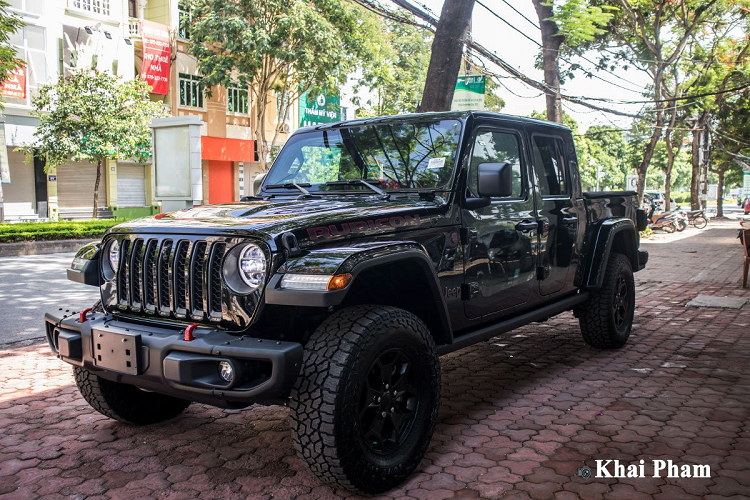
[(257, 182), (495, 180)]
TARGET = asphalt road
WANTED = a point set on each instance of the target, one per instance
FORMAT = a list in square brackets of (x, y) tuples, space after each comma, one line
[(32, 285)]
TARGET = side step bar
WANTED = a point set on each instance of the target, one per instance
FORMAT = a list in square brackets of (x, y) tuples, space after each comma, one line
[(487, 332)]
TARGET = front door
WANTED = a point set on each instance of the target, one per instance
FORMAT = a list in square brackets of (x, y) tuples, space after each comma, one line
[(220, 182), (501, 238), (557, 213)]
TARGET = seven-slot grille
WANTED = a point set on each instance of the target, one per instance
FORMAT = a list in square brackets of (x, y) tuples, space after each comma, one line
[(171, 277)]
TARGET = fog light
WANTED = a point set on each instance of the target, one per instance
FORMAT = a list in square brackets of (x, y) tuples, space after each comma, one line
[(226, 372)]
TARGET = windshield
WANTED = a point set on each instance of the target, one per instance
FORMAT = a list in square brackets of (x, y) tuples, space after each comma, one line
[(392, 156)]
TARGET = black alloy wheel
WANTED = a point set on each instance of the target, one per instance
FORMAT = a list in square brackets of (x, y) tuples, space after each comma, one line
[(621, 307), (388, 402)]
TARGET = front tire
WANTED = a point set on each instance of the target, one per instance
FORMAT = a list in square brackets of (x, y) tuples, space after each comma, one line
[(606, 318), (700, 222), (365, 404), (124, 402), (681, 225)]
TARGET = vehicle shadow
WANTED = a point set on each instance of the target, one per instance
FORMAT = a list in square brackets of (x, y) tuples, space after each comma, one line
[(234, 453)]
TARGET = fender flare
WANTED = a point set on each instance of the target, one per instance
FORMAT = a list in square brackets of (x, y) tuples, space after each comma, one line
[(599, 246), (355, 264)]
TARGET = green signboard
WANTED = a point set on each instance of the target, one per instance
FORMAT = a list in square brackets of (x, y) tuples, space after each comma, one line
[(315, 109), (469, 93)]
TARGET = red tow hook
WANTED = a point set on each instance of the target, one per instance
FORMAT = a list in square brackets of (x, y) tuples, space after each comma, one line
[(82, 314), (189, 332)]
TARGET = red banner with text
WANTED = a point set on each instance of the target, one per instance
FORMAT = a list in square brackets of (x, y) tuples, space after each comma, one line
[(15, 85), (156, 53)]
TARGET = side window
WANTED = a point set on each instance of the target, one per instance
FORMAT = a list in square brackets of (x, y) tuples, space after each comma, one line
[(496, 147), (549, 161)]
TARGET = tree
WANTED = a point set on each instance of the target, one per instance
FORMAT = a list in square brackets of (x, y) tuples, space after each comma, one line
[(398, 71), (564, 26), (93, 116), (492, 100), (719, 61), (609, 153), (552, 38), (9, 24), (651, 36), (286, 47), (446, 55)]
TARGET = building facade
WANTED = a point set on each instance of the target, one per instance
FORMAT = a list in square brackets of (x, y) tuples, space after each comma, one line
[(132, 39)]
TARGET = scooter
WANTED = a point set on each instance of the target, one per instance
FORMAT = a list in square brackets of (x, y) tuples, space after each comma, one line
[(697, 218), (666, 221)]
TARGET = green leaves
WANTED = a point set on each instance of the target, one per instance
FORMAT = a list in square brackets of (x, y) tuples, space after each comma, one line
[(580, 21), (284, 46), (93, 116)]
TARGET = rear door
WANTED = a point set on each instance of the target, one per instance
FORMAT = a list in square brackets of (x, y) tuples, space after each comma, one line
[(556, 208), (500, 259)]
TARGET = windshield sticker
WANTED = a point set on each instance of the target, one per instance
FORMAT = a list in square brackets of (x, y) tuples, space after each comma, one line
[(436, 163), (362, 226)]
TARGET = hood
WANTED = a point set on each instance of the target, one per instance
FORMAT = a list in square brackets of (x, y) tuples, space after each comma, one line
[(311, 220)]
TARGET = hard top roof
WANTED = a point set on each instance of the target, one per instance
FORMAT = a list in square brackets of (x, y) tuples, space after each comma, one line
[(456, 115)]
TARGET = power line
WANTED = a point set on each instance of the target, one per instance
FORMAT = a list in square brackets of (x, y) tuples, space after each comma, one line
[(583, 101), (589, 73)]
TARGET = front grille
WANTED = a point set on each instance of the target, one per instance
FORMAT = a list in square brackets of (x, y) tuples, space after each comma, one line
[(177, 278)]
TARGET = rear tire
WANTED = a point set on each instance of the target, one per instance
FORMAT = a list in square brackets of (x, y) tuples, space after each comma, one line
[(700, 222), (125, 402), (364, 406), (606, 318)]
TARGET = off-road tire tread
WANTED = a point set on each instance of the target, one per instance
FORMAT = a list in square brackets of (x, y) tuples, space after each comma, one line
[(594, 315), (124, 402), (344, 334)]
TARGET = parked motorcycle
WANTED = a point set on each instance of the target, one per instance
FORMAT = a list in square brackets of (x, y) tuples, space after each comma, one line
[(697, 218), (665, 221)]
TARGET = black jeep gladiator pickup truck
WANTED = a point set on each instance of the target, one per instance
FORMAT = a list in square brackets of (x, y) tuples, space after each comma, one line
[(371, 248)]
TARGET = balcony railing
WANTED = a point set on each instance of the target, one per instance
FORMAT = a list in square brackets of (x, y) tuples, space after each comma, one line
[(134, 27)]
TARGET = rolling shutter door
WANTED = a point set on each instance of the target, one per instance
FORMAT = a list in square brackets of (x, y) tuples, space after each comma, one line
[(20, 194), (75, 185), (131, 185)]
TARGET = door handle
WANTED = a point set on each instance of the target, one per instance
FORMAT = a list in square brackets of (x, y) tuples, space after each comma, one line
[(527, 226), (569, 221)]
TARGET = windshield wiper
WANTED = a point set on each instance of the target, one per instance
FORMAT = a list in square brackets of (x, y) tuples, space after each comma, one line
[(350, 182), (292, 185)]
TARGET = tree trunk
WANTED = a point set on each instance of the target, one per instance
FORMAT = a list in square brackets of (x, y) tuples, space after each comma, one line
[(260, 130), (641, 185), (696, 163), (96, 187), (445, 60), (551, 41), (642, 168), (720, 194)]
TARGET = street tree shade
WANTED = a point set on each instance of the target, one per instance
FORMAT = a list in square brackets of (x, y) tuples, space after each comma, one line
[(447, 53), (92, 116), (278, 50)]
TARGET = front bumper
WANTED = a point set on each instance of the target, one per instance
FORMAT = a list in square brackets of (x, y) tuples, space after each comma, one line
[(158, 359)]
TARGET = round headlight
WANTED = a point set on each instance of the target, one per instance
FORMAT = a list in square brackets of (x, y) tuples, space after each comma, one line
[(252, 266), (114, 255)]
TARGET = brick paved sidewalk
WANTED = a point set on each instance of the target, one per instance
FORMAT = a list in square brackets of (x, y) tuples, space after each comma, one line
[(520, 414)]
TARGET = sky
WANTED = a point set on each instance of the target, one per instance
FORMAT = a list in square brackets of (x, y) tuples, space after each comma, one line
[(521, 53)]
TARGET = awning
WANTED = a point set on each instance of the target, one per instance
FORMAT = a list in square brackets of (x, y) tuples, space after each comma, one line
[(223, 149)]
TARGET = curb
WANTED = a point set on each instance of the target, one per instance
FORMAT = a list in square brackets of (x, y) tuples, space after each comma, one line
[(21, 248)]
